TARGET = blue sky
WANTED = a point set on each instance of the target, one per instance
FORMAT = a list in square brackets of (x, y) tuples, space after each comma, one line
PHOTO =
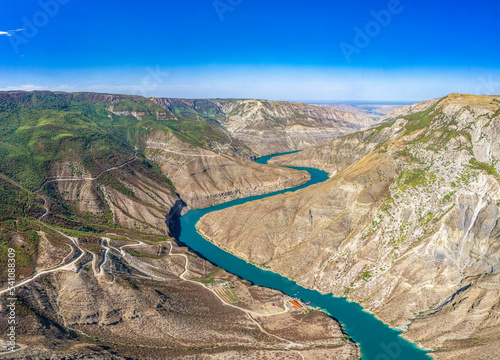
[(405, 50)]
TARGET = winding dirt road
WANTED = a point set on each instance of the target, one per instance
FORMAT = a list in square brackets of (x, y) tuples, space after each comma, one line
[(70, 266), (249, 313), (75, 178)]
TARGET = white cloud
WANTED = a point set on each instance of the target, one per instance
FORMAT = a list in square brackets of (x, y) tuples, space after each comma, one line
[(25, 87), (9, 32), (273, 83)]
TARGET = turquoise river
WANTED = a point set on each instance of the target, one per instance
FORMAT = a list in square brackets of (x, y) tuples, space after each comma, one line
[(377, 341)]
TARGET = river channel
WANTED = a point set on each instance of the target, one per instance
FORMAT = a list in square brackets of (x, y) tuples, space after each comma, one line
[(377, 340)]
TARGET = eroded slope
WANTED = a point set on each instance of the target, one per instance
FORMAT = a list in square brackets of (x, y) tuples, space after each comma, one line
[(408, 222), (269, 127), (84, 201)]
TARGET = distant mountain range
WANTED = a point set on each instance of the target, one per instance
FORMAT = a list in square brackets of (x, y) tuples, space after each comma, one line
[(372, 111)]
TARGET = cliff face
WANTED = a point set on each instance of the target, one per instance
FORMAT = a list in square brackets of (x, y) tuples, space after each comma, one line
[(372, 111), (407, 225), (88, 185), (206, 177), (217, 170), (125, 160), (268, 127), (335, 156)]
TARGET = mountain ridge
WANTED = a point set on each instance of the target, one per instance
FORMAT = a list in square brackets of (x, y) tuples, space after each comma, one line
[(90, 188), (407, 219)]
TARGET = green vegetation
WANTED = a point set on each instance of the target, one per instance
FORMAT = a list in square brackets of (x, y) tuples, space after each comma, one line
[(387, 204), (397, 242), (465, 177), (366, 275), (497, 113), (446, 212), (437, 140), (15, 202), (490, 169), (210, 279), (21, 235), (374, 132), (420, 120), (138, 254), (22, 309), (448, 134), (137, 104), (197, 133), (426, 219), (416, 177), (197, 110), (91, 243), (112, 181), (448, 196), (407, 153), (132, 286), (229, 295), (39, 129)]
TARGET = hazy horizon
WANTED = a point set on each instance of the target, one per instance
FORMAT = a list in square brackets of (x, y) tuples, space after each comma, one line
[(309, 101), (374, 51)]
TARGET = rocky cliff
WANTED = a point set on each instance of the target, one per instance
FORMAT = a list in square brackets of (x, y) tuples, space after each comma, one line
[(91, 186), (372, 111), (205, 177), (268, 127), (125, 160), (407, 225)]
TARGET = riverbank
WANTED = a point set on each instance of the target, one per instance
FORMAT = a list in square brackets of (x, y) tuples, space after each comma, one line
[(376, 339)]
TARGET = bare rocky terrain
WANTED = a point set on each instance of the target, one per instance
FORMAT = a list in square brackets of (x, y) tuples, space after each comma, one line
[(373, 111), (407, 225), (270, 127), (137, 300), (99, 274), (206, 177)]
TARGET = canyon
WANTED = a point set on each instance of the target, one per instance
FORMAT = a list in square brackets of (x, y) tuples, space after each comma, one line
[(407, 224), (93, 185), (90, 207)]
